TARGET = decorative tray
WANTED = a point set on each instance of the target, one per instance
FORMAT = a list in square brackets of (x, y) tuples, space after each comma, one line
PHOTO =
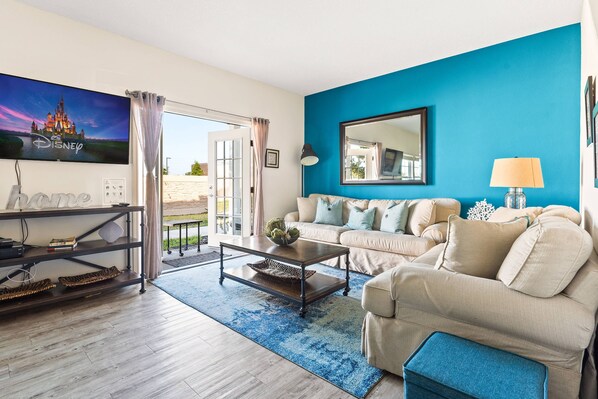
[(279, 271), (26, 289), (89, 278)]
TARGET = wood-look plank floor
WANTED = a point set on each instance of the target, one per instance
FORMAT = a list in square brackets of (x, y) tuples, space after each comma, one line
[(126, 345)]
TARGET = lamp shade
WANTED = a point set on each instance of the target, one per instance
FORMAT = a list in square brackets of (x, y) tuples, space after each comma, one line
[(308, 156), (517, 172)]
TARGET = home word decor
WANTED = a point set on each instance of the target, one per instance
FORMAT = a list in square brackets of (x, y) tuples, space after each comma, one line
[(41, 200), (481, 211)]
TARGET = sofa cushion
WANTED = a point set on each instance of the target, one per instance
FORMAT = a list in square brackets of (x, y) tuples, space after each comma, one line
[(562, 211), (422, 213), (329, 212), (395, 217), (477, 247), (446, 207), (348, 203), (319, 232), (307, 209), (431, 256), (360, 220), (503, 214), (436, 232), (546, 257), (404, 244), (380, 206), (376, 295)]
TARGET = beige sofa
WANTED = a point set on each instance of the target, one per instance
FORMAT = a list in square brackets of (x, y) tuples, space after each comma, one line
[(373, 251), (406, 304)]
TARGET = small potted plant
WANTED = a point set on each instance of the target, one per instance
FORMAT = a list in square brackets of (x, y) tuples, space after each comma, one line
[(277, 232)]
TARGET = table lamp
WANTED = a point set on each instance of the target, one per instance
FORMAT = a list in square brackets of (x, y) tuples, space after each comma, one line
[(516, 173), (308, 158)]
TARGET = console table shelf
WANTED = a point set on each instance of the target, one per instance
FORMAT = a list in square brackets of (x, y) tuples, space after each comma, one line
[(35, 255), (62, 293), (41, 254)]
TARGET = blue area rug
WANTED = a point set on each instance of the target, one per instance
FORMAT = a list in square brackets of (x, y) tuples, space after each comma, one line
[(326, 342)]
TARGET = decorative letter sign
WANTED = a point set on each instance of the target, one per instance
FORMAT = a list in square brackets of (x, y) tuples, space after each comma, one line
[(41, 200)]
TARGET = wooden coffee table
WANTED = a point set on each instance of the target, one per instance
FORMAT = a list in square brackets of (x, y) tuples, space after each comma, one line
[(302, 253)]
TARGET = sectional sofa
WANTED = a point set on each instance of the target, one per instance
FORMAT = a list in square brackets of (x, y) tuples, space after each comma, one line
[(374, 251), (536, 311)]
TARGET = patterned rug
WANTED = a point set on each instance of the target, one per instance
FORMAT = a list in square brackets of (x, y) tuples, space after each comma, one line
[(326, 342)]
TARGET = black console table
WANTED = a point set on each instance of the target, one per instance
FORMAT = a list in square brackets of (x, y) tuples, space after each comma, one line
[(35, 255)]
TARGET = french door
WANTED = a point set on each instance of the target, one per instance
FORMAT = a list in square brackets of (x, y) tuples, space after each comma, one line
[(229, 198)]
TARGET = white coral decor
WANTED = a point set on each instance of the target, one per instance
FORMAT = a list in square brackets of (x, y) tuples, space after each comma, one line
[(481, 211)]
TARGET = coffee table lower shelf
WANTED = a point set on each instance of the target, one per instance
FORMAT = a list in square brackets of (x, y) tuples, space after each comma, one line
[(317, 286)]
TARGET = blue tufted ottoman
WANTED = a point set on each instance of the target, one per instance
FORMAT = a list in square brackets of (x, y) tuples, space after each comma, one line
[(448, 367)]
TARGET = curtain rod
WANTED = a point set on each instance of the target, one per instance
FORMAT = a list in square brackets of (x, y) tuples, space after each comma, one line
[(129, 93)]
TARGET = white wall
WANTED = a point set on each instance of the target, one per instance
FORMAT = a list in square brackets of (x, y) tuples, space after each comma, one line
[(589, 66), (44, 46)]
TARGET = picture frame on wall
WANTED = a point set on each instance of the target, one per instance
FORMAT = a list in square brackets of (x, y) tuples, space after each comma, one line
[(272, 156), (590, 98)]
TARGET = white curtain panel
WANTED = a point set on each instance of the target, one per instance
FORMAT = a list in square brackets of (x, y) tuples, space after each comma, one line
[(259, 127), (148, 109)]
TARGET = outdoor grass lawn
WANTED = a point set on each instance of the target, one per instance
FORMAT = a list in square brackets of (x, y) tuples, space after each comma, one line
[(174, 243)]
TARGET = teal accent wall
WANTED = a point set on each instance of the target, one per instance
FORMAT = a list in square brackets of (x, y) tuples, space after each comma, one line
[(518, 98)]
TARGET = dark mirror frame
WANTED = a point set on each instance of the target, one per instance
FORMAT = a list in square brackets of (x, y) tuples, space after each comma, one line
[(423, 112)]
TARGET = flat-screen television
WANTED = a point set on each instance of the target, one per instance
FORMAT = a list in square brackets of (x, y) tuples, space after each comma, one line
[(50, 122), (393, 161)]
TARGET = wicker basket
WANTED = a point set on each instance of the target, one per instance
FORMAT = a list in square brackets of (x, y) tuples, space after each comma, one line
[(279, 271), (26, 289), (89, 278)]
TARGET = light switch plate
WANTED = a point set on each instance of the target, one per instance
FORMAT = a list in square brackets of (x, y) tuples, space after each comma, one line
[(114, 191)]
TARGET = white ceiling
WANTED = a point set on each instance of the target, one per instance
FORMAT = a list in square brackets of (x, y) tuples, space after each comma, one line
[(307, 46)]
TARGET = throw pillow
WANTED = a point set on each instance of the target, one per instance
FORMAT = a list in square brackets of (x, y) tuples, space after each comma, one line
[(421, 214), (361, 220), (477, 247), (503, 214), (562, 211), (307, 209), (329, 213), (394, 219), (544, 259)]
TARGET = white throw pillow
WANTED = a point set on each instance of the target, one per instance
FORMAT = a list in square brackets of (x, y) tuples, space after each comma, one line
[(422, 213), (476, 247), (544, 259), (307, 209)]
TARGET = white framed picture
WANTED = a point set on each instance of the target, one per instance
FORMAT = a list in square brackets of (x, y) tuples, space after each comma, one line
[(272, 158)]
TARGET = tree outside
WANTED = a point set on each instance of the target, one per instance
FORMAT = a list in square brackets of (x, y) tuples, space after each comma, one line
[(358, 167), (195, 170)]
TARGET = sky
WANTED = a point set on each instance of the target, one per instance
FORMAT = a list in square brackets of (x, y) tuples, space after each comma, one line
[(185, 140), (103, 116)]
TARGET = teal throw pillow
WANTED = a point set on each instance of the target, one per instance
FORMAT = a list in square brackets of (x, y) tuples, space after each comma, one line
[(327, 213), (394, 219), (361, 220)]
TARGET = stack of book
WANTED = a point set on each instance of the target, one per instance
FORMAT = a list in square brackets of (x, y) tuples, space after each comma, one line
[(62, 244)]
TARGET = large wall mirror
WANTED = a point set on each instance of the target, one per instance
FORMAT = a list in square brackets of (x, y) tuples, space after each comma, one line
[(385, 149)]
